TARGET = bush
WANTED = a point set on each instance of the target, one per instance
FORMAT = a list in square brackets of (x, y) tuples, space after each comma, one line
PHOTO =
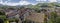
[(2, 13)]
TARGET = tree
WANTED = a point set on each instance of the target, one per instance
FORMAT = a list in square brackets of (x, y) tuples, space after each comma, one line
[(53, 17), (52, 4), (2, 13), (22, 7), (58, 20)]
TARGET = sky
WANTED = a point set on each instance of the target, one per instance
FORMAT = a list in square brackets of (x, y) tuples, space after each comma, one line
[(23, 2)]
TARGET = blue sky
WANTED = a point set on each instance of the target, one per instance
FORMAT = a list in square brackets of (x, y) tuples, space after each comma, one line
[(22, 2)]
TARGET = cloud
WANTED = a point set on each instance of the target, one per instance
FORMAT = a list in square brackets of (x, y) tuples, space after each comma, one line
[(52, 0), (14, 4), (24, 3), (21, 2), (48, 0), (41, 0)]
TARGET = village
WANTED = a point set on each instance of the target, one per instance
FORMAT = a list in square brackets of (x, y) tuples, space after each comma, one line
[(27, 15), (32, 13)]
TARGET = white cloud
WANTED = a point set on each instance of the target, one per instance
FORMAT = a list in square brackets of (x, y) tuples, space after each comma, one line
[(40, 0), (22, 2), (19, 3), (46, 0), (14, 4), (52, 0)]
